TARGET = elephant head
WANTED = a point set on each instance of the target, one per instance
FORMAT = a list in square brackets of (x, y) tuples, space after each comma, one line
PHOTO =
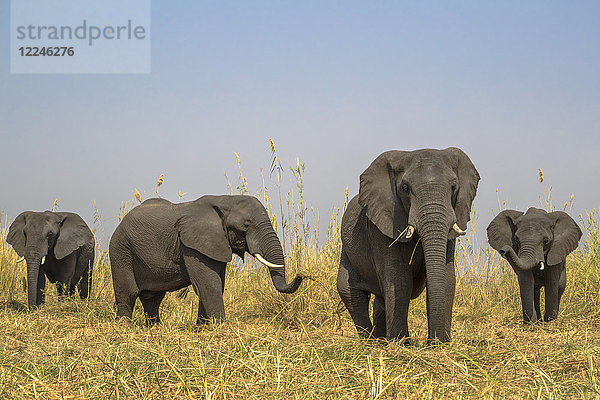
[(37, 235), (219, 226), (533, 238), (425, 194)]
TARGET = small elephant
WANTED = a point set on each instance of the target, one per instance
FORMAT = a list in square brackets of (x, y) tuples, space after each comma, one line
[(160, 247), (536, 245), (398, 237), (57, 244)]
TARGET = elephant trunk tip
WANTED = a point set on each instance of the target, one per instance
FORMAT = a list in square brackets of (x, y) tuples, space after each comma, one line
[(287, 288)]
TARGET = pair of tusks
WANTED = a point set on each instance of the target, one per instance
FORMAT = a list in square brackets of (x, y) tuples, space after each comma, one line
[(410, 230), (268, 264), (21, 259)]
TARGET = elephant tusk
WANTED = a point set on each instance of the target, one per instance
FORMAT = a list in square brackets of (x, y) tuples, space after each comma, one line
[(268, 264), (20, 260), (457, 229), (43, 259), (409, 231), (542, 265)]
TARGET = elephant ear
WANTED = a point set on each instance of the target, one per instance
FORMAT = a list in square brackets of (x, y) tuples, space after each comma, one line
[(202, 229), (16, 234), (468, 179), (378, 192), (502, 228), (73, 234), (566, 237)]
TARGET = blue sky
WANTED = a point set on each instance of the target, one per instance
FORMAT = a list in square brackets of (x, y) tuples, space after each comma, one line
[(514, 84)]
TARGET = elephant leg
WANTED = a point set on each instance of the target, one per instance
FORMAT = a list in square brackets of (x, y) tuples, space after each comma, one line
[(379, 330), (355, 300), (61, 290), (124, 284), (536, 301), (151, 303), (526, 285), (84, 284), (451, 288), (85, 263), (451, 285), (72, 287), (205, 276), (555, 278), (562, 283), (41, 292), (203, 316), (397, 291)]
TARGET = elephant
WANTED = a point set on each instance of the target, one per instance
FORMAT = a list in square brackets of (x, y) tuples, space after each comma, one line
[(161, 247), (398, 237), (58, 245), (536, 244)]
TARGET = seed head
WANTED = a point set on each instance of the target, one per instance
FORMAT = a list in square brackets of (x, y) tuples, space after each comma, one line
[(272, 144), (541, 173), (137, 195), (160, 180)]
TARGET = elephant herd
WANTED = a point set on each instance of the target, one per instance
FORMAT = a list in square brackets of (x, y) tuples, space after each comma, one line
[(398, 238)]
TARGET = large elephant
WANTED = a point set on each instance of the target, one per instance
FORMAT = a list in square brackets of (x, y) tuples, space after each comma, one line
[(161, 247), (57, 244), (536, 245), (398, 237)]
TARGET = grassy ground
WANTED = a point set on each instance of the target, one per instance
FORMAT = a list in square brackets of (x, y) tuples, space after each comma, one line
[(303, 345)]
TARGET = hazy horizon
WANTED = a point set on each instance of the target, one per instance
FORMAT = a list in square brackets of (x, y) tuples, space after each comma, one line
[(515, 85)]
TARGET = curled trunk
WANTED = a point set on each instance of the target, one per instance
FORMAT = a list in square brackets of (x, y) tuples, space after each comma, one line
[(271, 250), (526, 262)]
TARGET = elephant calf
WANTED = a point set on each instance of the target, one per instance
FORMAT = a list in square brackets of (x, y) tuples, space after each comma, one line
[(57, 244), (161, 247), (536, 245)]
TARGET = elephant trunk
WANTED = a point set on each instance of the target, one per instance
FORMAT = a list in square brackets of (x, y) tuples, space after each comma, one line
[(525, 262), (433, 230), (273, 253), (34, 295)]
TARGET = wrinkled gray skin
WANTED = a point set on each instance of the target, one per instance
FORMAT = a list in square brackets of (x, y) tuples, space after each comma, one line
[(161, 247), (527, 240), (66, 242), (429, 189)]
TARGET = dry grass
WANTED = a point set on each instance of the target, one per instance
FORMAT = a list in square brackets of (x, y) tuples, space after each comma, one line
[(302, 345)]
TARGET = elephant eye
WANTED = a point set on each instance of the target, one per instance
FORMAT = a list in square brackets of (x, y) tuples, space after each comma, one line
[(49, 234), (404, 187), (546, 241)]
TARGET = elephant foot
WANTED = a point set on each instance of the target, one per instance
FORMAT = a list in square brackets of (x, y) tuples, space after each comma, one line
[(151, 321)]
